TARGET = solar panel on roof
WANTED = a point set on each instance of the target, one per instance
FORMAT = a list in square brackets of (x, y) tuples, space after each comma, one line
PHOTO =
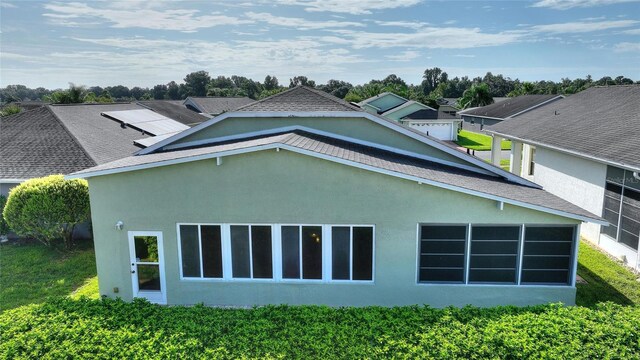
[(147, 121), (146, 142)]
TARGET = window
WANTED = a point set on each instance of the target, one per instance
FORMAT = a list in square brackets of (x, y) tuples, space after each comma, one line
[(352, 252), (251, 251), (547, 255), (621, 207), (302, 252), (442, 253), (201, 251), (532, 159), (494, 254)]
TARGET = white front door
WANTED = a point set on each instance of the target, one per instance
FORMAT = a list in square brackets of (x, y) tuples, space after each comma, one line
[(147, 265)]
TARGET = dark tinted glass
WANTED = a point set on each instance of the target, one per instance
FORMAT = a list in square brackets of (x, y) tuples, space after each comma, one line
[(494, 254), (261, 252), (495, 233), (240, 251), (146, 248), (630, 218), (340, 251), (291, 252), (190, 250), (547, 255), (148, 277), (312, 252), (362, 253), (211, 251), (442, 253)]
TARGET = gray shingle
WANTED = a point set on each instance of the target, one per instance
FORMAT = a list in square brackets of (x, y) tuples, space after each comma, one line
[(602, 122), (429, 114), (510, 107), (300, 98), (219, 105), (34, 143), (381, 159)]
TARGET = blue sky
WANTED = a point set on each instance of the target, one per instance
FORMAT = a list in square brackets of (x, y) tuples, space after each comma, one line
[(143, 43)]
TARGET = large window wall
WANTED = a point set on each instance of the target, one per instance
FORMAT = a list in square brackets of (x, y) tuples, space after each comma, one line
[(621, 207), (304, 253), (496, 254)]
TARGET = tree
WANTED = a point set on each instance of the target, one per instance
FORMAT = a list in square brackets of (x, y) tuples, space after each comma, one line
[(301, 80), (73, 95), (10, 110), (196, 83), (119, 92), (48, 208), (336, 88), (476, 95), (159, 92), (271, 82), (222, 82), (432, 78), (173, 91), (138, 92)]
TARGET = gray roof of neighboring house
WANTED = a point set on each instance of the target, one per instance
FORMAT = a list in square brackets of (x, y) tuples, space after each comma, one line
[(599, 122), (300, 98), (175, 110), (510, 107), (429, 114), (102, 138), (373, 157), (34, 143), (219, 105)]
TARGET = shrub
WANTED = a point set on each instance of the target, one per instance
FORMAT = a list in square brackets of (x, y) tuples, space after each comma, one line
[(107, 329), (10, 110), (48, 208), (4, 228)]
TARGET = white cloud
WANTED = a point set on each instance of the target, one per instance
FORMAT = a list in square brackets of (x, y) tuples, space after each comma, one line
[(464, 56), (7, 5), (354, 7), (570, 4), (404, 56), (429, 38), (405, 24), (632, 32), (582, 27), (627, 47), (299, 23), (133, 15)]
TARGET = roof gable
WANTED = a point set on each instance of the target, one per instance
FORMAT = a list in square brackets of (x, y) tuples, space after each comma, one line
[(216, 105), (511, 107), (299, 98), (384, 102), (601, 123)]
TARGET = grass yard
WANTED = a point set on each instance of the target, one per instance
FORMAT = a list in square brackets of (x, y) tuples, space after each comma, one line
[(30, 273), (79, 327), (475, 141)]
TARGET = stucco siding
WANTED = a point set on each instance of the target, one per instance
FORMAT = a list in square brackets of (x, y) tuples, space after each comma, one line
[(272, 187), (357, 128), (6, 187), (402, 112), (574, 179)]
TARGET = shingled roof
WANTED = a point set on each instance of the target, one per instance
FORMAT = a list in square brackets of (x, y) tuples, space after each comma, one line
[(300, 98), (429, 114), (35, 143), (511, 107), (174, 109), (218, 105), (601, 122), (373, 158)]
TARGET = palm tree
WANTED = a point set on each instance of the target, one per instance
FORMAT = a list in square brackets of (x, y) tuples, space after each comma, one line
[(476, 95)]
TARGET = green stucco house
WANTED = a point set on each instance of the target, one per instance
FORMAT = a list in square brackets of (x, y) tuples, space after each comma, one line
[(302, 198)]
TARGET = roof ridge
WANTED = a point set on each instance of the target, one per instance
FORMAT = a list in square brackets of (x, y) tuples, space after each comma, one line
[(268, 98), (330, 97), (75, 139)]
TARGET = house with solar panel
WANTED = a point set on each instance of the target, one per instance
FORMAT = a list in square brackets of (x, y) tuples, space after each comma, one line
[(441, 124), (586, 149), (303, 198)]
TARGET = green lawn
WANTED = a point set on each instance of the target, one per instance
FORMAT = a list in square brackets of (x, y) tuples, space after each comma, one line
[(475, 141), (606, 279), (30, 273)]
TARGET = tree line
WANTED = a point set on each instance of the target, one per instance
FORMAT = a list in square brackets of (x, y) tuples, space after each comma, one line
[(435, 85)]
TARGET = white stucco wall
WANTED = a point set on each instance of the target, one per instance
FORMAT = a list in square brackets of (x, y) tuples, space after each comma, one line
[(574, 179)]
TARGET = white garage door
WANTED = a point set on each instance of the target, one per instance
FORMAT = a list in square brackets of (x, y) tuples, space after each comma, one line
[(441, 131)]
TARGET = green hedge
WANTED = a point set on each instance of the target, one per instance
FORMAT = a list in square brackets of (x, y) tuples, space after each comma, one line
[(94, 329)]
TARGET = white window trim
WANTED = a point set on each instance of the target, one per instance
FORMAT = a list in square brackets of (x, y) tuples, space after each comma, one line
[(276, 256), (573, 267)]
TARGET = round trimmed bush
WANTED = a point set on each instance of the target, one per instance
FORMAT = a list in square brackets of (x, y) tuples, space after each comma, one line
[(48, 208)]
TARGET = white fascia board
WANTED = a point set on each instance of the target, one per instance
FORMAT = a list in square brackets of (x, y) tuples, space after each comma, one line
[(393, 125), (12, 181), (536, 106), (331, 135), (566, 151), (340, 161), (483, 117)]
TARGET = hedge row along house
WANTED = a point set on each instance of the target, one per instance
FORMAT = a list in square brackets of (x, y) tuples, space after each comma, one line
[(302, 198)]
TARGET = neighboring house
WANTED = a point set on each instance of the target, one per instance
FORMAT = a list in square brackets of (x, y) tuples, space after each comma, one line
[(436, 123), (586, 149), (302, 198), (479, 117), (214, 106), (61, 139)]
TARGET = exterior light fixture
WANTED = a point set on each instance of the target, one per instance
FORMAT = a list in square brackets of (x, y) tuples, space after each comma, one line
[(119, 225)]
